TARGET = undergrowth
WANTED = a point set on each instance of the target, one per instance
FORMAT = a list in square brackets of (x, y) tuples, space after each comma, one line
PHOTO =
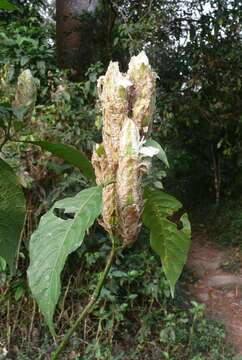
[(223, 222), (135, 318)]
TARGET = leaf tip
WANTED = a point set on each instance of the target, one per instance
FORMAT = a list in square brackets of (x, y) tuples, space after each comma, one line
[(172, 289)]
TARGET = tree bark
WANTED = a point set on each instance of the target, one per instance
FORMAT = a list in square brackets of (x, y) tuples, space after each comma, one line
[(75, 34)]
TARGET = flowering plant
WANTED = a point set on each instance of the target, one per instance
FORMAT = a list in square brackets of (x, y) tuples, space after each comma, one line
[(120, 161)]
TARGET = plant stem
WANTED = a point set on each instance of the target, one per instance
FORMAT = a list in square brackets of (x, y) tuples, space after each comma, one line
[(89, 307), (7, 134)]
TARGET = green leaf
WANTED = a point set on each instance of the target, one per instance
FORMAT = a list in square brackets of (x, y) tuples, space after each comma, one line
[(12, 214), (169, 241), (19, 292), (61, 231), (5, 40), (161, 154), (70, 155), (6, 5), (24, 60), (3, 264)]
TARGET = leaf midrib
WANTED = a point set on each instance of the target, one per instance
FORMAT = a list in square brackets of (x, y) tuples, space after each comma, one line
[(71, 224), (159, 216)]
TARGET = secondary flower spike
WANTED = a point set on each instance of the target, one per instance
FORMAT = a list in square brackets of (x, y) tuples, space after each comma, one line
[(127, 103), (26, 93)]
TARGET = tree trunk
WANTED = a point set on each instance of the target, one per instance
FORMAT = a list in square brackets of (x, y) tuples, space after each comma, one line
[(75, 34)]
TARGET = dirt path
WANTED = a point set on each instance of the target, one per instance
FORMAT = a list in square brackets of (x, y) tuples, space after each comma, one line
[(219, 284)]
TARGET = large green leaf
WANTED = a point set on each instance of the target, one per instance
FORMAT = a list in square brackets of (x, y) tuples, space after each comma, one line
[(12, 214), (70, 155), (167, 239), (60, 232), (7, 5)]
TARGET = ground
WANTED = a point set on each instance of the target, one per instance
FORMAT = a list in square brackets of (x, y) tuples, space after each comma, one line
[(219, 283)]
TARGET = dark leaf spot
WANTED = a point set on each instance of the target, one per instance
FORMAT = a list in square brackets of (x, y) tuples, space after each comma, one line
[(60, 213)]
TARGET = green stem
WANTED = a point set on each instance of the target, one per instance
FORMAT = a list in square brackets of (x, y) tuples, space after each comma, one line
[(7, 134), (89, 307)]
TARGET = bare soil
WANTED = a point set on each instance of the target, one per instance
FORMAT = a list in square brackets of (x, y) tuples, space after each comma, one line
[(219, 284)]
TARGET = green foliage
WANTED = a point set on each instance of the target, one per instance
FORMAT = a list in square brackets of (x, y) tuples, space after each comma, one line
[(12, 214), (7, 5), (200, 100), (60, 232), (15, 106), (223, 222), (70, 155), (26, 41), (169, 241), (68, 115)]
